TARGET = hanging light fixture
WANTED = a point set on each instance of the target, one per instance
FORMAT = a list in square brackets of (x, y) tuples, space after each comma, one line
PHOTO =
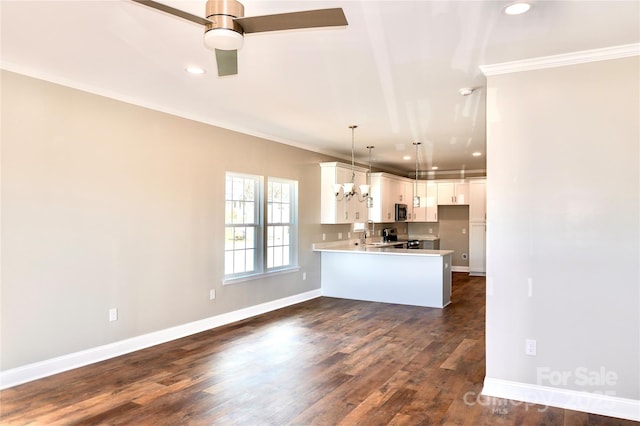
[(369, 197), (347, 189), (416, 197)]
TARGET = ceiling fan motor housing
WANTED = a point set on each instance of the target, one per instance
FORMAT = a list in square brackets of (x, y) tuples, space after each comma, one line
[(221, 13)]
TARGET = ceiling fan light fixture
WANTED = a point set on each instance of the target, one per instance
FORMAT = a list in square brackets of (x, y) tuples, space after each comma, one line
[(223, 39)]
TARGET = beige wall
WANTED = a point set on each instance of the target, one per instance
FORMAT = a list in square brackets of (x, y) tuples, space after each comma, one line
[(453, 228), (563, 234), (105, 204)]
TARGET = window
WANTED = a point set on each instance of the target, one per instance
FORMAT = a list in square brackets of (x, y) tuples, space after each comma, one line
[(251, 248), (280, 222), (242, 224)]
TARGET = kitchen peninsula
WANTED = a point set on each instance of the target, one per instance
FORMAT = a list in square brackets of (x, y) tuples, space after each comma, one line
[(381, 274)]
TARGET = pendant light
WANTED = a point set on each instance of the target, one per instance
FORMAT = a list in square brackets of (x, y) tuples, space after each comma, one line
[(369, 197), (347, 188), (416, 197)]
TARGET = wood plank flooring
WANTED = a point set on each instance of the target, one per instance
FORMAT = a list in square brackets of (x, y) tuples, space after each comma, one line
[(323, 362)]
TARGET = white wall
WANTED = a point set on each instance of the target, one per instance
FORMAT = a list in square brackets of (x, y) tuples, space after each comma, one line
[(563, 213), (105, 204)]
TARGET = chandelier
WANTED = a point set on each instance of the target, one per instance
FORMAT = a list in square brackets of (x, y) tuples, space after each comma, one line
[(347, 190)]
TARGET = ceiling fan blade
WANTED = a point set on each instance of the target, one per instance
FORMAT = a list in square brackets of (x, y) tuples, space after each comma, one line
[(173, 11), (294, 20), (227, 61)]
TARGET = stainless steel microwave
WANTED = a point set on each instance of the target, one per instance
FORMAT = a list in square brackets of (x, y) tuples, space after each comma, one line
[(401, 212)]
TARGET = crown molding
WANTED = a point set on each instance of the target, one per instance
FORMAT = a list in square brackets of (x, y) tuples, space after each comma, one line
[(561, 60)]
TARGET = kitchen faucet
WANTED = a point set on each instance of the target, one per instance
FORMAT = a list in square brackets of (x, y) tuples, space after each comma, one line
[(373, 229)]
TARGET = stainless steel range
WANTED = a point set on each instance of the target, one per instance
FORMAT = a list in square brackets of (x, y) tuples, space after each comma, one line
[(427, 244)]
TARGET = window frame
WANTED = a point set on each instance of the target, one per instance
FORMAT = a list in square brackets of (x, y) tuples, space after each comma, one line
[(257, 224), (292, 224), (262, 226)]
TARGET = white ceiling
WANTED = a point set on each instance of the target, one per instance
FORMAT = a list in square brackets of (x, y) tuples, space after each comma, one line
[(394, 71)]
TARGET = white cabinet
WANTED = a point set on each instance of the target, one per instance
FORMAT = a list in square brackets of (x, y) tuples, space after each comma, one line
[(477, 242), (334, 210), (428, 210), (453, 193), (477, 200), (477, 226), (406, 196), (387, 190), (381, 191)]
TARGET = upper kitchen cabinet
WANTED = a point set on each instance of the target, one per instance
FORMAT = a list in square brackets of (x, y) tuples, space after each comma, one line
[(406, 196), (387, 191), (428, 210), (477, 200), (453, 193), (336, 210), (383, 209)]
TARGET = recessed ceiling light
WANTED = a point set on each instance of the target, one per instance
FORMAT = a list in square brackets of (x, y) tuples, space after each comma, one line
[(517, 8), (477, 154), (406, 157), (434, 168), (195, 70)]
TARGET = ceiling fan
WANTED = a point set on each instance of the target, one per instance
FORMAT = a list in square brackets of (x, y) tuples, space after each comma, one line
[(225, 25)]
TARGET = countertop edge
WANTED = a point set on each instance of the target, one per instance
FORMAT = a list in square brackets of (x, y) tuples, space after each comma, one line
[(342, 247)]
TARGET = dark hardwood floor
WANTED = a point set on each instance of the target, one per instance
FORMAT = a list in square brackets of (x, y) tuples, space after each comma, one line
[(323, 362)]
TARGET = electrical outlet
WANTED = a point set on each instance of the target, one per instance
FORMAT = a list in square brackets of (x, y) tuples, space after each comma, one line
[(304, 276), (530, 347), (113, 314), (464, 230), (339, 235), (212, 294), (430, 230), (324, 237)]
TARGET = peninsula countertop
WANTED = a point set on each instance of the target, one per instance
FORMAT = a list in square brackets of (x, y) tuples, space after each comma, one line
[(354, 246)]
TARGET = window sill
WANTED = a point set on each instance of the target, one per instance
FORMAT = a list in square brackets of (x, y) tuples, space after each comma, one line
[(260, 275)]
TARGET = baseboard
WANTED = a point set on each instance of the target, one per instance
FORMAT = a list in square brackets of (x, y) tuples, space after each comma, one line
[(594, 403), (38, 370), (459, 268)]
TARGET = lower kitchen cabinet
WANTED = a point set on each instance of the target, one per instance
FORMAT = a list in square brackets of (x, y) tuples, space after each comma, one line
[(477, 244)]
